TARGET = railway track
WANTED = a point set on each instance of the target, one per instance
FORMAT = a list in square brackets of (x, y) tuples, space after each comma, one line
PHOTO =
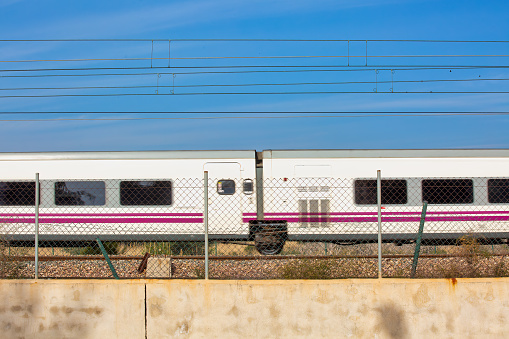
[(240, 258)]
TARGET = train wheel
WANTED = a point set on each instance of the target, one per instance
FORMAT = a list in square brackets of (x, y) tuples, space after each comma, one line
[(269, 244)]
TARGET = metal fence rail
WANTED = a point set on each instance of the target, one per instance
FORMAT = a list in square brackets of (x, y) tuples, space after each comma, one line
[(311, 228)]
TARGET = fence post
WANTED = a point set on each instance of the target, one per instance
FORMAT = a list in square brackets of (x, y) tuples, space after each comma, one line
[(379, 203), (419, 239), (37, 202), (206, 220), (107, 258)]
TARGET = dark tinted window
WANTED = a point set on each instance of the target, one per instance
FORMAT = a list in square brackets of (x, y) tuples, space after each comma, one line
[(81, 193), (145, 193), (394, 192), (248, 186), (498, 191), (226, 187), (448, 191), (17, 193)]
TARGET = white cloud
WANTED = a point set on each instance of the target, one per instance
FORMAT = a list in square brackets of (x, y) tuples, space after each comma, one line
[(380, 102), (5, 3), (152, 18)]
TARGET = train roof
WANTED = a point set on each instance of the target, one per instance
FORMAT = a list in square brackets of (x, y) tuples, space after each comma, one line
[(129, 155), (386, 153), (266, 154)]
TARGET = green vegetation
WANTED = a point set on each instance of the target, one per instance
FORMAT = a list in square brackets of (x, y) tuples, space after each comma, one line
[(199, 272), (250, 250), (111, 247), (309, 269), (175, 248), (11, 268), (472, 260)]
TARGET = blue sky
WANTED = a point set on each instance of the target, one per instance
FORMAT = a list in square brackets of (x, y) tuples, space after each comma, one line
[(229, 19)]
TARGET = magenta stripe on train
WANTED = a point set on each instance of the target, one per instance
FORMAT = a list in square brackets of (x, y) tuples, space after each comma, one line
[(104, 220), (200, 220), (104, 214), (160, 218), (376, 213), (390, 219)]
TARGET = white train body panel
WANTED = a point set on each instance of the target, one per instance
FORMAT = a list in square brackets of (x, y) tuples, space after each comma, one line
[(321, 181), (300, 170), (185, 170)]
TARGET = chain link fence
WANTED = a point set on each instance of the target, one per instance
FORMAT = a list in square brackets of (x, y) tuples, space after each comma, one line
[(464, 233), (307, 232), (17, 220), (293, 228)]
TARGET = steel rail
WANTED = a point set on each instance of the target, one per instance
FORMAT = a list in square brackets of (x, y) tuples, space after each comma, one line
[(238, 258)]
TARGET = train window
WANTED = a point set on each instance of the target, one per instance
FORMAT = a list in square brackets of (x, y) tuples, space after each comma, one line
[(226, 187), (146, 193), (80, 193), (498, 191), (248, 186), (17, 193), (394, 192), (448, 191)]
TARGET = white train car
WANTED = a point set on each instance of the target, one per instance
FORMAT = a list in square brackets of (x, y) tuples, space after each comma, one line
[(268, 197), (330, 194), (131, 196)]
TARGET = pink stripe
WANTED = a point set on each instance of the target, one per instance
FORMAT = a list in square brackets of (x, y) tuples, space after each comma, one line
[(375, 213), (391, 219), (200, 220), (103, 214), (105, 220)]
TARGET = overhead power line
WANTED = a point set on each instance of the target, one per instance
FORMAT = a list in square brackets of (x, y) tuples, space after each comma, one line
[(246, 72), (266, 57), (255, 112), (252, 84), (320, 58), (371, 67), (261, 117), (255, 40), (250, 93)]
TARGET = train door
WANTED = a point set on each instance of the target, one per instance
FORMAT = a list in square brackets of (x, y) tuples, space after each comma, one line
[(225, 197)]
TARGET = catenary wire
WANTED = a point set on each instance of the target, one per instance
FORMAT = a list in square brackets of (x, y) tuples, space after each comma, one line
[(255, 40), (264, 57), (251, 93), (258, 112), (251, 84), (253, 117), (376, 67), (241, 72)]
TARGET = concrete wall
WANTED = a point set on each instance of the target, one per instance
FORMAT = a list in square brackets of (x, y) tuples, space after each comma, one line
[(387, 308), (71, 309)]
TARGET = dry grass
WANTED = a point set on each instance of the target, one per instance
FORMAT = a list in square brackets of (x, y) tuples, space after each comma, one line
[(471, 259), (328, 269), (11, 268)]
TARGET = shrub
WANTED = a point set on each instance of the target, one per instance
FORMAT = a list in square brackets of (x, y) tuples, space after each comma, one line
[(471, 261), (175, 248), (308, 269), (9, 267), (250, 250), (501, 269), (157, 248), (111, 247)]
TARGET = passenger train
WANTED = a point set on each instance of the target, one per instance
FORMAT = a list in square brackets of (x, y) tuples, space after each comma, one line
[(267, 197)]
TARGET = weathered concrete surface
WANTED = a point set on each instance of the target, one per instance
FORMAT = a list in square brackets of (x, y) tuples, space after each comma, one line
[(158, 267), (387, 308), (72, 309)]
